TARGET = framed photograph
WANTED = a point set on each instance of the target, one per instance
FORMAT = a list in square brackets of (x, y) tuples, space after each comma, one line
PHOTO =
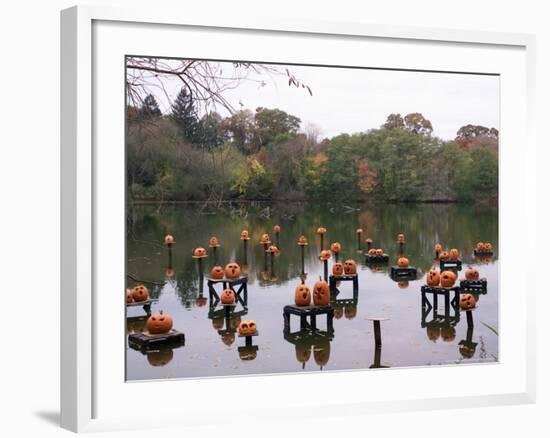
[(292, 208)]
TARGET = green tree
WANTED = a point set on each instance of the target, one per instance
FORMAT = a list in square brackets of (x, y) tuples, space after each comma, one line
[(150, 107), (270, 123), (210, 132), (185, 115)]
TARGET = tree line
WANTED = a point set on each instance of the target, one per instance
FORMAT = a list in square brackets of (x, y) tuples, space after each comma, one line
[(266, 154)]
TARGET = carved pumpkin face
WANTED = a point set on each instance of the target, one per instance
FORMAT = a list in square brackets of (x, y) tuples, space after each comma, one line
[(321, 352), (402, 284), (359, 230), (472, 274), (199, 252), (448, 278), (338, 269), (325, 255), (453, 254), (277, 229), (129, 298), (227, 296), (303, 352), (265, 238), (302, 240), (444, 255), (168, 239), (247, 328), (232, 270), (448, 333), (302, 295), (213, 242), (218, 323), (216, 273), (350, 267), (379, 252), (140, 293), (433, 278), (433, 333), (321, 230), (321, 293), (401, 238), (487, 247), (350, 311), (335, 247), (403, 262), (437, 247), (160, 358), (467, 302), (244, 235), (480, 246), (159, 323)]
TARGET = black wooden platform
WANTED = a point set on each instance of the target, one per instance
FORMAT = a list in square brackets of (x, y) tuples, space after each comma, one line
[(403, 273), (479, 286), (449, 263), (238, 285), (306, 336), (333, 279), (377, 259), (428, 306), (248, 338), (483, 253), (145, 304), (248, 352), (308, 311), (145, 341)]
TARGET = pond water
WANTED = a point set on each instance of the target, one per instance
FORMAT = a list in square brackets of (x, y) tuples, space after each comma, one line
[(410, 336)]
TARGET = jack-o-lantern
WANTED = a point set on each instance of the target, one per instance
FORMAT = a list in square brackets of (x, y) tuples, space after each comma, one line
[(321, 293), (402, 284), (338, 269), (216, 273), (335, 247), (359, 230), (265, 238), (448, 278), (321, 352), (227, 296), (321, 230), (403, 262), (401, 238), (438, 248), (218, 323), (488, 247), (444, 255), (433, 278), (199, 252), (302, 240), (453, 254), (350, 267), (372, 252), (276, 229), (140, 293), (338, 311), (467, 302), (159, 323), (303, 352), (232, 270), (168, 239), (448, 333), (379, 252), (160, 358), (129, 298), (325, 255), (433, 333), (228, 339), (368, 241), (302, 295), (471, 274), (213, 242), (247, 328), (245, 235), (480, 246)]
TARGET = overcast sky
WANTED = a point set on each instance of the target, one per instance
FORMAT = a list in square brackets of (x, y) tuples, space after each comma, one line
[(353, 100)]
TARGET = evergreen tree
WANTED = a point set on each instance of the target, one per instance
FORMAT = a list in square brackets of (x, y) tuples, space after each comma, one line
[(150, 107), (185, 115)]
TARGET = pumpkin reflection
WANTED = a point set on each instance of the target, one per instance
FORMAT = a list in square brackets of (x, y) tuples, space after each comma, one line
[(467, 351), (321, 352), (303, 351), (218, 323), (448, 333), (350, 311), (160, 358), (403, 284), (201, 301), (338, 310), (228, 339), (247, 353), (433, 333)]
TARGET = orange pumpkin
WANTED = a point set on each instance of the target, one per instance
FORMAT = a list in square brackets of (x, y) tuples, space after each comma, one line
[(453, 254), (448, 333), (244, 235), (350, 267), (448, 278), (368, 240), (232, 270), (321, 230), (350, 311), (480, 246), (325, 255), (371, 252), (168, 239), (159, 323), (302, 295), (401, 238), (321, 293), (227, 296), (199, 252), (160, 358), (379, 252), (444, 255), (471, 274), (247, 328), (433, 278), (213, 242), (467, 302), (265, 238), (216, 273), (277, 229), (488, 247), (359, 230), (140, 293), (437, 247), (335, 247), (302, 240), (403, 262), (338, 269), (129, 298)]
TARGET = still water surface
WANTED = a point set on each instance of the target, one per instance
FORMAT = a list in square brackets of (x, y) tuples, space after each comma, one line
[(212, 349)]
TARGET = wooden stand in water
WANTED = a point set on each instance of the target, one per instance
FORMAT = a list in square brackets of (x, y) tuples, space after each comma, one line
[(478, 286), (403, 273), (145, 304), (308, 311), (145, 341), (377, 259), (437, 319), (333, 279), (448, 263), (241, 293)]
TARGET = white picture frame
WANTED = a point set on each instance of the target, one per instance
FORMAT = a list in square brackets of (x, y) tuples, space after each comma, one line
[(92, 394)]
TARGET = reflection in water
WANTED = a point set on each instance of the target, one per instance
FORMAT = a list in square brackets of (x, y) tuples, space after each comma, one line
[(181, 289)]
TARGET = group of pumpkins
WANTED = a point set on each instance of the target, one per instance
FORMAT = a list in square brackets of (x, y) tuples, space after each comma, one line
[(247, 328), (231, 271), (448, 278), (484, 247), (137, 294), (375, 252), (321, 294), (452, 254)]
